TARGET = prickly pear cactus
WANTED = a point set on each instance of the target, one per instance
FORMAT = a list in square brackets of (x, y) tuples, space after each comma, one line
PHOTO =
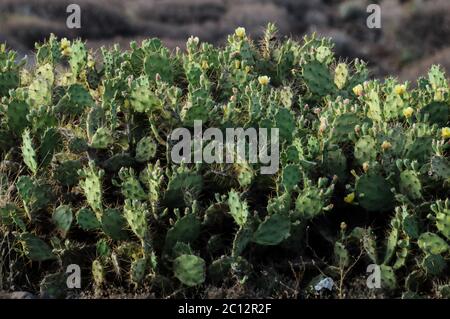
[(442, 217), (35, 248), (114, 224), (87, 220), (373, 193), (185, 230), (189, 269), (361, 168), (92, 186), (273, 230), (136, 215), (432, 244), (138, 270), (62, 218), (410, 185), (28, 152), (238, 208), (318, 78), (131, 187), (145, 149)]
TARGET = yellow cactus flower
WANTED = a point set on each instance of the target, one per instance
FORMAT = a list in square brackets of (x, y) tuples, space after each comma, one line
[(358, 90), (400, 89), (64, 43), (67, 51), (264, 80), (386, 145), (90, 62), (408, 112), (240, 32), (445, 132), (365, 167), (349, 198)]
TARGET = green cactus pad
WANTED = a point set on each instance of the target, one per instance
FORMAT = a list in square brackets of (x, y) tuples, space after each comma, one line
[(219, 269), (432, 244), (238, 208), (373, 193), (78, 145), (142, 99), (440, 166), (273, 230), (189, 269), (145, 149), (318, 79), (335, 163), (410, 185), (17, 112), (131, 188), (437, 113), (420, 150), (62, 218), (92, 186), (28, 152), (87, 220), (102, 138), (241, 240), (114, 224), (388, 278), (366, 149), (309, 204), (136, 213), (341, 75), (35, 248), (186, 230), (138, 270), (285, 122), (434, 265), (291, 176), (98, 272), (51, 143), (34, 194), (344, 126), (411, 226), (66, 173)]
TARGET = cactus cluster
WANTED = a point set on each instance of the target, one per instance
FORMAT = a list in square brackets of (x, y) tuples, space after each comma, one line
[(85, 147)]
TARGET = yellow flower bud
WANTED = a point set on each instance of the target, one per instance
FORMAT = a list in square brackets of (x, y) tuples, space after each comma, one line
[(358, 90), (400, 89), (264, 80), (205, 65), (349, 199), (90, 62), (67, 51), (445, 132), (237, 64), (408, 112), (386, 145), (365, 167), (64, 43), (240, 32)]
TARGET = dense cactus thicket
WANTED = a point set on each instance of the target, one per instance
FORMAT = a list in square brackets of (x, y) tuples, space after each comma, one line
[(86, 175)]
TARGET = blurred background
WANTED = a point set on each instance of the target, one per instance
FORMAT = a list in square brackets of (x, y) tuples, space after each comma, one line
[(415, 33)]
